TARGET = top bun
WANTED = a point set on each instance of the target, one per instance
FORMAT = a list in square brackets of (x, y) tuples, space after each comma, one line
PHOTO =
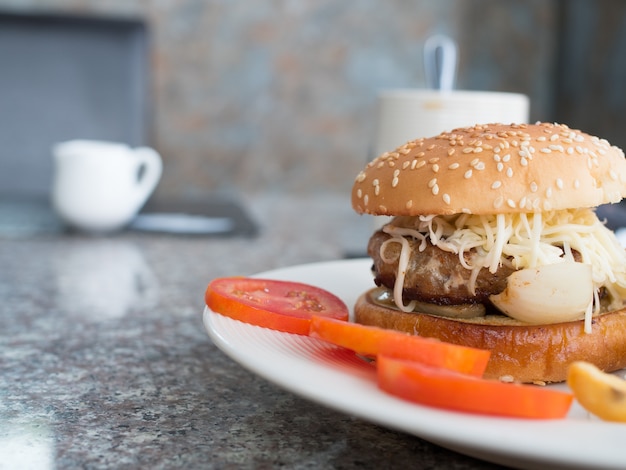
[(493, 169)]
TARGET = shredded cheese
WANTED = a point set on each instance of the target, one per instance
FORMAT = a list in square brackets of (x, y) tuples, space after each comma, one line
[(489, 241)]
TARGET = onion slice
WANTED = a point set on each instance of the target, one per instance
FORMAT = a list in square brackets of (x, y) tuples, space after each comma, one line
[(552, 293)]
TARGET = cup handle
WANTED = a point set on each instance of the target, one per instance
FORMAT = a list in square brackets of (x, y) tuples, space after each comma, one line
[(149, 175)]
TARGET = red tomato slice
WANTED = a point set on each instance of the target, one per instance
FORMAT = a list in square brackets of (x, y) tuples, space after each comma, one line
[(279, 305), (447, 389), (372, 341)]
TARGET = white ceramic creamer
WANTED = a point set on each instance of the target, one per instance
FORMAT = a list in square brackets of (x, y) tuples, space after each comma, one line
[(100, 186)]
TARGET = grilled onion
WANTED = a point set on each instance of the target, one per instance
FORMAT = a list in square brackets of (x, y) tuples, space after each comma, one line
[(552, 293)]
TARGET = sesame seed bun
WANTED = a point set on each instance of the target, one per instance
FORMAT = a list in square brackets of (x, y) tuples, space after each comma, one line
[(493, 168), (486, 170), (519, 352)]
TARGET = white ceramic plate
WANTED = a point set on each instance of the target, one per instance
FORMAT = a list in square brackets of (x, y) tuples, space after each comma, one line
[(324, 374)]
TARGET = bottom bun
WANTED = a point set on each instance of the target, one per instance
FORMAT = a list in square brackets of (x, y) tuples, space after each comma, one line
[(519, 352)]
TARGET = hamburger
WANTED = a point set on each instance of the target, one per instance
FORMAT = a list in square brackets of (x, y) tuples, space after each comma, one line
[(494, 243)]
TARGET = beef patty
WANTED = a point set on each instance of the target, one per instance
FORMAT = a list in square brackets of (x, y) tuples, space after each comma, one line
[(434, 275)]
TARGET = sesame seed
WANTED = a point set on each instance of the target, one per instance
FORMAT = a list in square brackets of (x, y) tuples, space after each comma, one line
[(533, 187), (419, 164), (382, 208), (433, 160), (435, 168), (496, 184), (509, 172), (478, 149), (579, 149), (450, 152), (522, 202), (497, 158), (549, 192), (480, 166), (546, 150), (541, 138), (497, 203), (570, 150), (396, 173), (409, 204), (559, 183), (576, 184), (360, 177), (523, 161), (375, 182), (405, 165), (557, 148), (468, 150), (510, 203), (366, 199), (465, 210), (454, 166), (430, 147), (376, 190), (359, 193), (446, 198), (613, 175), (474, 162), (394, 182), (506, 158), (435, 190), (432, 182), (468, 174), (554, 137), (421, 154)]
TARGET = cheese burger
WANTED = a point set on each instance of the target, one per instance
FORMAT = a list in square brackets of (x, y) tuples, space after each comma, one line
[(494, 243)]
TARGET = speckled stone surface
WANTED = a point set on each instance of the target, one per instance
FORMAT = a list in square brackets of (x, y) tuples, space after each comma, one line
[(104, 361)]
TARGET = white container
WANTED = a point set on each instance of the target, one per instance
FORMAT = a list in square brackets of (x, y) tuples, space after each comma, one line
[(408, 114), (100, 186)]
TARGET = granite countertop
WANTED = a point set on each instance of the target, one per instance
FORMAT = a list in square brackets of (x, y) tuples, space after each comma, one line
[(105, 363)]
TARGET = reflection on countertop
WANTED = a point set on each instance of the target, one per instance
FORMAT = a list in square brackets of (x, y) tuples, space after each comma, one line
[(105, 361)]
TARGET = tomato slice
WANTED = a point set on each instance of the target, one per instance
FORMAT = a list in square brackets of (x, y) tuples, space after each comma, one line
[(279, 305), (454, 391), (372, 341)]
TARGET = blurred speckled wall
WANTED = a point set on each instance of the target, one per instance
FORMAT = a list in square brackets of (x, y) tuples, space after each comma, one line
[(281, 95)]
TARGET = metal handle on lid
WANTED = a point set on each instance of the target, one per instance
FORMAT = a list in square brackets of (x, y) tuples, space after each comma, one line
[(440, 55)]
